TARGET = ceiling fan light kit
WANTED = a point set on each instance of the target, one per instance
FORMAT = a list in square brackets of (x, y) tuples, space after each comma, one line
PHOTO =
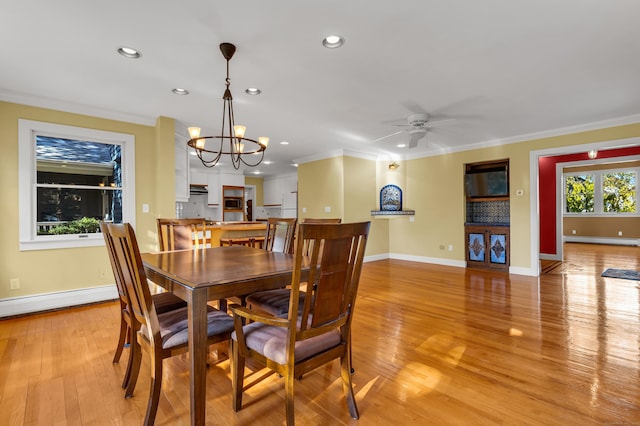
[(231, 140)]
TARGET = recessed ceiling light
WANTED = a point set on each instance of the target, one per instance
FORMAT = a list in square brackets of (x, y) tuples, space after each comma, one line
[(295, 165), (401, 145), (267, 162), (284, 143), (179, 91), (333, 41), (129, 52), (257, 172), (253, 91)]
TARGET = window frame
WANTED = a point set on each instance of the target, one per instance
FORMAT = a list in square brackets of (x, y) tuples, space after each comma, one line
[(598, 193), (27, 179)]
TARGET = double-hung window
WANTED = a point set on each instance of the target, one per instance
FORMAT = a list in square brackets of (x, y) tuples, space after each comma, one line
[(601, 192), (70, 180)]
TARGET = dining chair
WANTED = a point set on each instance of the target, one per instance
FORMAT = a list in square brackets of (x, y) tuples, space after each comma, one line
[(161, 335), (180, 234), (276, 301), (280, 234), (163, 302), (318, 332)]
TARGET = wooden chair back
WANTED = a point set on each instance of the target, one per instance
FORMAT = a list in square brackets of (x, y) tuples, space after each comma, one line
[(335, 262), (131, 270), (308, 246), (115, 266), (181, 234), (280, 234), (320, 331)]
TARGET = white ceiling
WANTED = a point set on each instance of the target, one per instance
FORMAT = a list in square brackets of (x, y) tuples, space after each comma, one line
[(502, 69)]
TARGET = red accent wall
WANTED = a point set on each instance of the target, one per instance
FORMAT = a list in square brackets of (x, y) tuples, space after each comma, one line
[(547, 190)]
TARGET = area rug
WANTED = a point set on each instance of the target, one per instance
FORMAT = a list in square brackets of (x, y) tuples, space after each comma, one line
[(625, 274)]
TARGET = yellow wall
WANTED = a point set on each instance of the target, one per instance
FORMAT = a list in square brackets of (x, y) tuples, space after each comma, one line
[(348, 186), (46, 271), (258, 182), (433, 187)]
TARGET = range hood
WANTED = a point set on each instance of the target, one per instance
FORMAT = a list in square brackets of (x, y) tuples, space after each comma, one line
[(195, 189)]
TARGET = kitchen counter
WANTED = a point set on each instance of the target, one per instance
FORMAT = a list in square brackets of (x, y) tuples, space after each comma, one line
[(217, 230)]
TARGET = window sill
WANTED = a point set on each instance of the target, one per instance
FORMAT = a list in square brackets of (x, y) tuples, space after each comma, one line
[(63, 242)]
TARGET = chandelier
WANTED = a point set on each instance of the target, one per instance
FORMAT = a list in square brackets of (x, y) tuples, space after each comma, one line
[(231, 140)]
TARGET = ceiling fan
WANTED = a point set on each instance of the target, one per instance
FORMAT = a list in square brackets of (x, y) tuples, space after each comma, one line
[(418, 126)]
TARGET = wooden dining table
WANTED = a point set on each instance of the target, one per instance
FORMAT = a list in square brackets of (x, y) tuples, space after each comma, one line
[(198, 276)]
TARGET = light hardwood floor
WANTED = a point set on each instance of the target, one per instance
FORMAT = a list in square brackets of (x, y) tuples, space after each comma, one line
[(432, 345)]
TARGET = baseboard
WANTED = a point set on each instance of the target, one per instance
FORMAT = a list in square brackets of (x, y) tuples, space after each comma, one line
[(62, 299), (423, 259), (602, 240)]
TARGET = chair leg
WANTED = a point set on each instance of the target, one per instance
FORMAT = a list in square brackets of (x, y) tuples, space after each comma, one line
[(122, 338), (127, 373), (133, 369), (288, 391), (237, 375), (345, 369), (154, 393)]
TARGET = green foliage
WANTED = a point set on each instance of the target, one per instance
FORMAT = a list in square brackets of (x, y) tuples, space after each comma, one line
[(619, 192), (86, 225), (579, 194)]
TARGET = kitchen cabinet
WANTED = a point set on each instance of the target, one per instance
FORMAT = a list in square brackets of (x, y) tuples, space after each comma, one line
[(232, 203), (281, 193), (487, 246), (181, 165), (198, 178), (213, 188), (272, 193)]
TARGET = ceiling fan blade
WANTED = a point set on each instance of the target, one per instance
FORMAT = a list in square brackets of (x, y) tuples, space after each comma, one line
[(413, 107), (415, 137), (388, 136)]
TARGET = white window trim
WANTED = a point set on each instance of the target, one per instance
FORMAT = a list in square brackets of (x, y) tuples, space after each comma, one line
[(27, 172), (598, 202)]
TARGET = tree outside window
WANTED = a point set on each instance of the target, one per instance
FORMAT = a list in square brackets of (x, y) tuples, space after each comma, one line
[(71, 179), (619, 192), (579, 193)]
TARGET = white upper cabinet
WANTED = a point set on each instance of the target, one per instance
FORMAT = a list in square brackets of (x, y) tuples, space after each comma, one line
[(213, 188), (181, 165), (280, 190)]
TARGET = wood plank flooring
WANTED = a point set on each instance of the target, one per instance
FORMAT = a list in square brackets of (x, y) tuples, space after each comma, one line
[(432, 345)]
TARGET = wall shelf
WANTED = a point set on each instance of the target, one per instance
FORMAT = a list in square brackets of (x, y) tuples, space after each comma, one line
[(393, 212)]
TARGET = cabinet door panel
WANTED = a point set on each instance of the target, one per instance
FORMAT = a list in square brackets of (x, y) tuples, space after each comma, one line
[(498, 248), (476, 247)]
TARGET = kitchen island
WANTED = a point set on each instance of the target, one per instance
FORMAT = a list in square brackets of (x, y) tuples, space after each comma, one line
[(215, 231)]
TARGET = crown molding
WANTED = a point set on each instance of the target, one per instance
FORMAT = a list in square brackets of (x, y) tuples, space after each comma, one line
[(596, 125), (75, 108)]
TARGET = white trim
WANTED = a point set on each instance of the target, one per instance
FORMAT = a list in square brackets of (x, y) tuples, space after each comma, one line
[(27, 203), (57, 300), (602, 240), (534, 233), (40, 102), (530, 272), (434, 260)]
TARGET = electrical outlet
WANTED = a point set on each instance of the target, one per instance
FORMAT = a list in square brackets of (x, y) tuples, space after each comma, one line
[(412, 219), (450, 247), (619, 233), (573, 231), (304, 210), (14, 283), (327, 209)]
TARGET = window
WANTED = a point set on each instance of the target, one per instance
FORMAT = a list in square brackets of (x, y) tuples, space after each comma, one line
[(601, 192), (579, 193), (619, 192), (72, 178)]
